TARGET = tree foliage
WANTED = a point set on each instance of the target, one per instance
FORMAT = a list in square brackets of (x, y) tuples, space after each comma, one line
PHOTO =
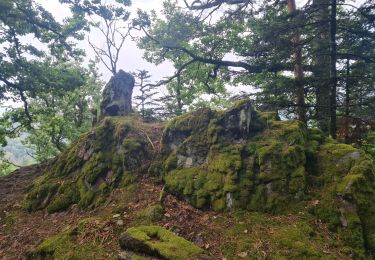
[(46, 90), (260, 43)]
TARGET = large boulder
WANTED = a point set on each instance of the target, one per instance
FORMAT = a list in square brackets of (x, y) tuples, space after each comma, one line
[(238, 158), (244, 159), (117, 95)]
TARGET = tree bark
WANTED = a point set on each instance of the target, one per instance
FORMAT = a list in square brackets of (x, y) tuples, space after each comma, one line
[(321, 62), (333, 70), (347, 101), (178, 97), (298, 69)]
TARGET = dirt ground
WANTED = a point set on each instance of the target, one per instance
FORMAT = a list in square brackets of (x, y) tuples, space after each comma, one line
[(21, 231)]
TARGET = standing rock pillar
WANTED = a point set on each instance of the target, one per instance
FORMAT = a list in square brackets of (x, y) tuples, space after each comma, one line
[(117, 95)]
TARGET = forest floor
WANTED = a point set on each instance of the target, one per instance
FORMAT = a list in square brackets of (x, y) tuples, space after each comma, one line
[(240, 235)]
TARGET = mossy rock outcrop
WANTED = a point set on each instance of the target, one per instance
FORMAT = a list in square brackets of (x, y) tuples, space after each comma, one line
[(159, 242), (110, 155), (221, 160), (238, 158), (345, 187), (246, 159)]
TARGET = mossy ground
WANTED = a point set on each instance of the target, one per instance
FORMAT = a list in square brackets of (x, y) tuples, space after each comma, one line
[(71, 244), (263, 236)]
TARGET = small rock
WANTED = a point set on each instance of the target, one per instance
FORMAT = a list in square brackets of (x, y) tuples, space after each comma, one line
[(167, 215), (199, 240), (116, 216), (120, 222), (243, 254), (124, 255), (245, 231)]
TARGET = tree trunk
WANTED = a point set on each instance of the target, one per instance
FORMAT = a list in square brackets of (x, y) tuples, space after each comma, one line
[(178, 97), (298, 69), (333, 71), (142, 98), (321, 61), (347, 101)]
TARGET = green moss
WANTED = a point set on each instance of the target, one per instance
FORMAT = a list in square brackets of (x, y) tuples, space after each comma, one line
[(109, 156), (294, 242), (315, 134), (65, 246), (218, 204), (157, 241), (277, 152), (68, 194), (40, 195), (276, 237), (171, 162), (348, 192), (153, 213)]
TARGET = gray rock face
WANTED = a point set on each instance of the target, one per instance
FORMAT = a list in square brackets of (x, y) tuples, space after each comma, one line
[(117, 95)]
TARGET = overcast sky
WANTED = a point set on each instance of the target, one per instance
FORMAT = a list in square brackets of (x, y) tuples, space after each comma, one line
[(131, 56)]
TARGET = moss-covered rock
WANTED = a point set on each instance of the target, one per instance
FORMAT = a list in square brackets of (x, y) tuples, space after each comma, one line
[(65, 245), (223, 160), (241, 158), (159, 242), (236, 158), (346, 190), (110, 155)]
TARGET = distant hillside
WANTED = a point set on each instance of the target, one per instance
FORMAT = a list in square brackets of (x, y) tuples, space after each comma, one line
[(17, 153)]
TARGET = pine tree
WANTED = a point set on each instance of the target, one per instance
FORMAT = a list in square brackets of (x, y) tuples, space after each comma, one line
[(145, 101)]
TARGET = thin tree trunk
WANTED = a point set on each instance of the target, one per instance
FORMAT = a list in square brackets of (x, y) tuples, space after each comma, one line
[(178, 97), (298, 69), (321, 61), (347, 101), (143, 98), (333, 71)]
